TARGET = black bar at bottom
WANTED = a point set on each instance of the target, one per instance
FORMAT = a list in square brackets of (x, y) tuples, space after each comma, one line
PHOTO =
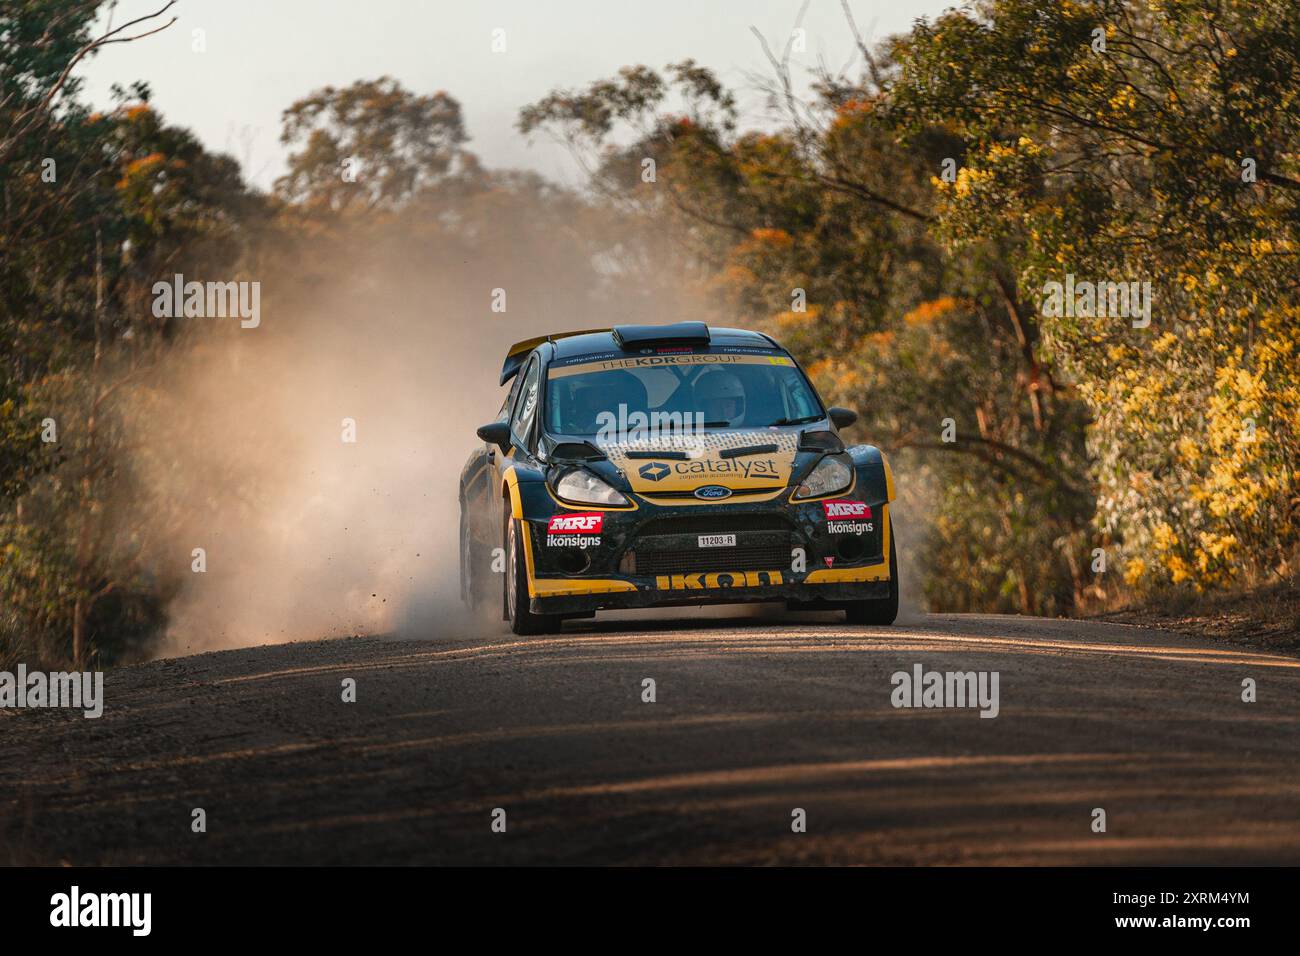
[(644, 908)]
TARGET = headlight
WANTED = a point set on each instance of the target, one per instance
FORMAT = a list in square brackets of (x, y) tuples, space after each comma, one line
[(582, 487), (830, 475)]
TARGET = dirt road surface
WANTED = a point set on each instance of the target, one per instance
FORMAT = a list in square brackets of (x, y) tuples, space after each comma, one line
[(752, 720)]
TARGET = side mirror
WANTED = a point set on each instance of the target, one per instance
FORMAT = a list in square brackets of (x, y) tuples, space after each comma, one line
[(497, 433), (842, 417)]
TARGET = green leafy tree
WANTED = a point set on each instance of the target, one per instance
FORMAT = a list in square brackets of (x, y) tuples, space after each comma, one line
[(97, 206), (1151, 143), (370, 145)]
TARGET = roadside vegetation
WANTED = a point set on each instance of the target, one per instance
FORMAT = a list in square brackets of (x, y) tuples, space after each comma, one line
[(897, 229)]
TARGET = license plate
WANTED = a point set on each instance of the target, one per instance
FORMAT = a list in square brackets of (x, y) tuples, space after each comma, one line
[(717, 541)]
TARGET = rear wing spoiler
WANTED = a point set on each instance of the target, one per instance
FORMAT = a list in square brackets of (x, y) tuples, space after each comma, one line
[(520, 350)]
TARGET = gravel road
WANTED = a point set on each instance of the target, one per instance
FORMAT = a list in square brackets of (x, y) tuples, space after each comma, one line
[(752, 720)]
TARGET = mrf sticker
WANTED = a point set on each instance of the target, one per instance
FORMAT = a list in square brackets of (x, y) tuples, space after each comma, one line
[(574, 530), (848, 517)]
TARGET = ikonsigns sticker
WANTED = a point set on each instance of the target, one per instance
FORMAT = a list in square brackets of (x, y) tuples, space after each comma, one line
[(574, 530), (842, 517)]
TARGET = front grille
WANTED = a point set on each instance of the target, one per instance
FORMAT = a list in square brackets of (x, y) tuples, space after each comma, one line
[(714, 524), (669, 544), (760, 558), (735, 492)]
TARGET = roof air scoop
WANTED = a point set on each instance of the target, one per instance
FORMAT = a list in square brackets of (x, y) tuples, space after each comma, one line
[(631, 337)]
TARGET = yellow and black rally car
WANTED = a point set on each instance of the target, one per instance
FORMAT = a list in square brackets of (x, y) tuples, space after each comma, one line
[(651, 466)]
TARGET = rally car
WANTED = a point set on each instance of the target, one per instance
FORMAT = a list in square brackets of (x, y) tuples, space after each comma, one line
[(652, 466)]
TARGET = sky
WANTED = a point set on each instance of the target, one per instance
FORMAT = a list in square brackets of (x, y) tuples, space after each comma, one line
[(262, 55)]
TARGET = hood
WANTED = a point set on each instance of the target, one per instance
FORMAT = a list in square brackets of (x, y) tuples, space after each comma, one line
[(699, 460)]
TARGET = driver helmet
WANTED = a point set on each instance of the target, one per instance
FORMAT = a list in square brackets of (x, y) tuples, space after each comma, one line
[(721, 397)]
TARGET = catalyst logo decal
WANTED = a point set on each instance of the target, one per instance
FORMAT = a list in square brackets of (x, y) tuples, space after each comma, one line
[(693, 461), (747, 467), (842, 508), (706, 468)]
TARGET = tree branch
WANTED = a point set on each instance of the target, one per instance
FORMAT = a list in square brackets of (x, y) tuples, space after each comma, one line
[(41, 108)]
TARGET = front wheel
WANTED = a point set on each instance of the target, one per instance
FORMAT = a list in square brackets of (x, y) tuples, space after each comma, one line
[(522, 620), (880, 612)]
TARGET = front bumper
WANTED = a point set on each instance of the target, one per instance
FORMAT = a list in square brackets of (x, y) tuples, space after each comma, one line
[(651, 557)]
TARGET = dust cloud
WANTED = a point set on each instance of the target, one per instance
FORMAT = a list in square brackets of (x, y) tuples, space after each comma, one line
[(307, 535), (242, 432)]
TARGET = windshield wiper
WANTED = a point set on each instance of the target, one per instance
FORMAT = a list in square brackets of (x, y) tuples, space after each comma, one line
[(796, 421)]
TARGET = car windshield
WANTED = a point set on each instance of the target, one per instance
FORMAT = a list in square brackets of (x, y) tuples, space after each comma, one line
[(677, 393)]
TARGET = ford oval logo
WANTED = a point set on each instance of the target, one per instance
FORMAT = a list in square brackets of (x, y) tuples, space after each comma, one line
[(712, 492)]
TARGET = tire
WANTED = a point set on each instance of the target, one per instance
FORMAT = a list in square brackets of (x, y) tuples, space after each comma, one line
[(473, 573), (522, 620), (879, 612)]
